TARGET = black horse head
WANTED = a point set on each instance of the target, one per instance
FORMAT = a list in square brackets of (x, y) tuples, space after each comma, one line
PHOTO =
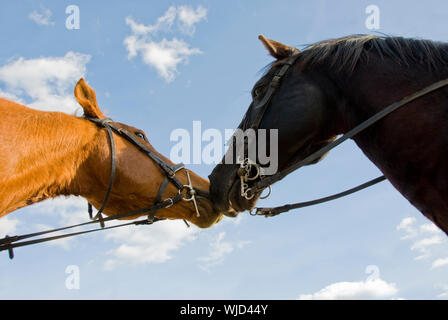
[(330, 88), (297, 116)]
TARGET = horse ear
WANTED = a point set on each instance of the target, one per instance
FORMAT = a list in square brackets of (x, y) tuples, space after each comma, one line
[(87, 99), (276, 49)]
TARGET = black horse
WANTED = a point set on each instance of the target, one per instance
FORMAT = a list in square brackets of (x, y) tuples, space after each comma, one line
[(335, 85)]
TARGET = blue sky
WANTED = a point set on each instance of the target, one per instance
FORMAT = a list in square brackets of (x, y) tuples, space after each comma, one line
[(210, 58)]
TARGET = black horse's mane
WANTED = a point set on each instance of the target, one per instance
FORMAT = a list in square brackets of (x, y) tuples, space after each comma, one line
[(344, 53)]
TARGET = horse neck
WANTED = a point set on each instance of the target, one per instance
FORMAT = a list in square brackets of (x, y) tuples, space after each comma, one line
[(375, 85), (46, 152), (406, 145)]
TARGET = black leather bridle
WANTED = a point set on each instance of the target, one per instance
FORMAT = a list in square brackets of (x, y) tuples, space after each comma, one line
[(260, 181), (170, 172), (9, 243)]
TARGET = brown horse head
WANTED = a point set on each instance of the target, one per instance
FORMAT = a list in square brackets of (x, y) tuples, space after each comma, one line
[(138, 177), (60, 154)]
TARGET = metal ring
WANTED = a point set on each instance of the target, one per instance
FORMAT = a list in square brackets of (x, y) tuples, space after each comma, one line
[(250, 168), (190, 189), (245, 195), (269, 193), (253, 214)]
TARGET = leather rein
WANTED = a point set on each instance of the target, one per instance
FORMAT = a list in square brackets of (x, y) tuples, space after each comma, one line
[(9, 243), (262, 182)]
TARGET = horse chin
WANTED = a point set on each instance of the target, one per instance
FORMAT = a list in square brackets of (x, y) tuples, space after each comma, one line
[(231, 213), (237, 202), (225, 191), (207, 216)]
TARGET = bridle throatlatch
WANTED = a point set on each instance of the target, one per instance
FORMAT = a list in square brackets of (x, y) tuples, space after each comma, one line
[(252, 172), (9, 243)]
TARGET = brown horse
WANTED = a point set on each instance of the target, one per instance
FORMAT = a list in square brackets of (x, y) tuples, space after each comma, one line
[(333, 86), (48, 154)]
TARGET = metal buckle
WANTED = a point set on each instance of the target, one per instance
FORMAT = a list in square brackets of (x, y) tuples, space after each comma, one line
[(150, 218), (105, 121), (171, 204), (171, 170), (8, 243)]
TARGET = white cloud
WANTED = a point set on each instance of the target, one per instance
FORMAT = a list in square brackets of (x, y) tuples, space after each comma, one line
[(444, 294), (67, 211), (8, 226), (372, 288), (10, 96), (426, 242), (407, 225), (164, 55), (42, 18), (219, 249), (429, 228), (44, 83), (163, 23), (426, 238), (361, 290), (430, 242), (189, 17), (439, 263), (71, 210), (233, 221), (64, 243), (154, 244), (136, 245)]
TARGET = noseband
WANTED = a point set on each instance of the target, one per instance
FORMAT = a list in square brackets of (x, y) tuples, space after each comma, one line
[(251, 171), (186, 192)]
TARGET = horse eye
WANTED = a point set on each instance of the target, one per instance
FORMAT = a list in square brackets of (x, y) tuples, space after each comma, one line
[(140, 135), (257, 91)]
